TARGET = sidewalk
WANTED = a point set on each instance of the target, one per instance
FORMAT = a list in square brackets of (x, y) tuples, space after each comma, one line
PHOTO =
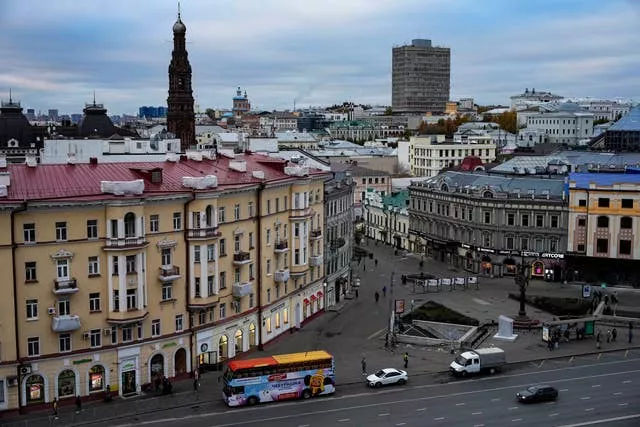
[(356, 328)]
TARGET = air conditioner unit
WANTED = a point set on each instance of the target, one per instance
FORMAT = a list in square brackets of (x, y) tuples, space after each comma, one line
[(25, 370), (107, 331), (51, 310)]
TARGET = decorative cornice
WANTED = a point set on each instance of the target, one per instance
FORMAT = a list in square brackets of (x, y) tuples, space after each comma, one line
[(62, 254), (166, 243)]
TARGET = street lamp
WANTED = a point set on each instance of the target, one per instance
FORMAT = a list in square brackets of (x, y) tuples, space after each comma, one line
[(324, 296)]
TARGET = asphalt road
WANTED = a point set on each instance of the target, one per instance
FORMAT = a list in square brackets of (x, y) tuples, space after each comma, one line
[(599, 394)]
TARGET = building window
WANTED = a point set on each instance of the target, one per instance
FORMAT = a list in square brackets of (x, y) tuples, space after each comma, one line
[(29, 233), (61, 231), (92, 229), (64, 307), (95, 337), (165, 256), (202, 317), (223, 311), (509, 242), (30, 272), (210, 287), (539, 245), (268, 266), (236, 275), (296, 257), (94, 266), (627, 203), (94, 302), (539, 221), (582, 202), (221, 215), (62, 269), (277, 204), (603, 221), (268, 295), (179, 323), (177, 221), (236, 212), (250, 209), (268, 324), (251, 240), (582, 222), (223, 247), (127, 334), (155, 328), (511, 218), (167, 291), (285, 316), (197, 286), (114, 229), (250, 300), (626, 223), (116, 300), (132, 299), (603, 202), (602, 246), (131, 263), (277, 320), (268, 207), (140, 331), (211, 253), (223, 280), (114, 335), (64, 343), (487, 217), (196, 253), (130, 225), (524, 244), (625, 247), (555, 221), (525, 220), (581, 247), (33, 346), (268, 236), (154, 223), (32, 309)]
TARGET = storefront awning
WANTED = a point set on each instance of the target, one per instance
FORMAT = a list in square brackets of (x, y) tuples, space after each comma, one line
[(320, 294), (306, 301), (313, 298)]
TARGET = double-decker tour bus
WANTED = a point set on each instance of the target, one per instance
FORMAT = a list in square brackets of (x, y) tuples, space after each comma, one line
[(280, 377)]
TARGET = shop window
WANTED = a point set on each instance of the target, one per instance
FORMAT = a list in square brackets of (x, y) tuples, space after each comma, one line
[(581, 247), (626, 223), (238, 341), (277, 320), (252, 335), (625, 247), (66, 384), (96, 379), (223, 347), (602, 246), (35, 389)]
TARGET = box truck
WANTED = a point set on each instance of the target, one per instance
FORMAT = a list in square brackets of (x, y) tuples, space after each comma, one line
[(482, 360)]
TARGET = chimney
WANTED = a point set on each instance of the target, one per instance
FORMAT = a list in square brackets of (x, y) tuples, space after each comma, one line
[(31, 161), (93, 161)]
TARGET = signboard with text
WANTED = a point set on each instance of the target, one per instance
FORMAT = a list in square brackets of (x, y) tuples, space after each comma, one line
[(399, 305)]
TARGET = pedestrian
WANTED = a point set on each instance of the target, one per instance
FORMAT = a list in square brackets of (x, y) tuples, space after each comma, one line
[(630, 332), (405, 357), (614, 334), (384, 291), (363, 362), (364, 267), (196, 384), (357, 294), (608, 336), (386, 340), (55, 408), (78, 404), (598, 340), (377, 296), (376, 262)]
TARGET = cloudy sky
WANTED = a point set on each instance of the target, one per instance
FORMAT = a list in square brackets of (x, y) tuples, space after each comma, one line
[(53, 54)]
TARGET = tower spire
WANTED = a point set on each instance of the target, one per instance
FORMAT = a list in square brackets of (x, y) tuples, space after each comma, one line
[(10, 100), (94, 97), (178, 10)]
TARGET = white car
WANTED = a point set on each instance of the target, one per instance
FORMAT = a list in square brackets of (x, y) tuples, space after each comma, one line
[(387, 376)]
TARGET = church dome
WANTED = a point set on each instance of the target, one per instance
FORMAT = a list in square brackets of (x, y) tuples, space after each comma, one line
[(179, 27)]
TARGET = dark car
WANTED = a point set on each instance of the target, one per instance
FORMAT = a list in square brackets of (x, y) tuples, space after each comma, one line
[(537, 393)]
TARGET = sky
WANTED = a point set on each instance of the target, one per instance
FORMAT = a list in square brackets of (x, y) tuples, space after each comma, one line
[(54, 54)]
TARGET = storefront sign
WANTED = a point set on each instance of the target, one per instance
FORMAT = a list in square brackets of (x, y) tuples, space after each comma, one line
[(204, 347), (445, 282), (432, 282), (472, 280), (278, 307), (169, 344), (465, 246), (551, 255), (234, 326), (459, 280), (399, 306), (128, 365), (486, 250), (81, 361), (530, 253)]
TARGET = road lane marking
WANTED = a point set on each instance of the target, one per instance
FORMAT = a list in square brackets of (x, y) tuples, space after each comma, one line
[(599, 356), (564, 389), (603, 421), (476, 413), (478, 425), (363, 406), (571, 360), (595, 386), (626, 381), (460, 404), (481, 301), (421, 409), (617, 393), (385, 414), (375, 334), (495, 399), (551, 403), (401, 424), (541, 363), (555, 414), (513, 408), (585, 398), (304, 425), (515, 420), (626, 353), (344, 420), (622, 404), (588, 409), (438, 419)]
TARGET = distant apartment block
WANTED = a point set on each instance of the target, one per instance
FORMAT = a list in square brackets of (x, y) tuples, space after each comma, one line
[(152, 112), (421, 77)]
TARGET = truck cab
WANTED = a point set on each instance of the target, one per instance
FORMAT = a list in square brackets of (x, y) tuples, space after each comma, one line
[(478, 361), (466, 363)]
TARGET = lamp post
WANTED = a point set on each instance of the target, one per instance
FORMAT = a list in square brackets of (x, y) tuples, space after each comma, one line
[(391, 307), (324, 296)]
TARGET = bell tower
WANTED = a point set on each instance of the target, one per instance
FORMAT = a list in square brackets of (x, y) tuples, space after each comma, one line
[(181, 119)]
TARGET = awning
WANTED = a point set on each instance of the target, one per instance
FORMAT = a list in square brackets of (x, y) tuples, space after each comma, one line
[(320, 294), (313, 298), (306, 300)]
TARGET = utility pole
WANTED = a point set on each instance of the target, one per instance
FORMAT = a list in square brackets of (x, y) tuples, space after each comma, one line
[(392, 315)]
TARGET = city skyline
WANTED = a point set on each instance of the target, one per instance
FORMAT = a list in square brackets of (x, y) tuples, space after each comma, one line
[(56, 54)]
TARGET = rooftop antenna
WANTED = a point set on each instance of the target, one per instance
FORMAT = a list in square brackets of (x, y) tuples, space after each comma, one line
[(94, 97), (10, 100)]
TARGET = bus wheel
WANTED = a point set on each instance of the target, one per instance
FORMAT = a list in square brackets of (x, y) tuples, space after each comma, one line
[(306, 393), (252, 401)]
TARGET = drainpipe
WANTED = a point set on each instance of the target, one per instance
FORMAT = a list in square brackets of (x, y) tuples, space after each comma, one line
[(187, 278), (22, 208), (259, 265)]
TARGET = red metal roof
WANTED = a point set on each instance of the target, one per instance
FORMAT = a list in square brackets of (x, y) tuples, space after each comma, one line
[(82, 181), (252, 363)]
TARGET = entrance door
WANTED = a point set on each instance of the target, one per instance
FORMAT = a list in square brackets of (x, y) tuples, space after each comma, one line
[(180, 362), (129, 385), (157, 367), (298, 315), (337, 286)]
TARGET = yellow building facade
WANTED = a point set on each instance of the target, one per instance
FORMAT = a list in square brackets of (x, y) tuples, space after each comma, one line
[(120, 274)]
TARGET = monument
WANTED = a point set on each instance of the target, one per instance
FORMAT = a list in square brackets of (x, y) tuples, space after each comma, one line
[(505, 329)]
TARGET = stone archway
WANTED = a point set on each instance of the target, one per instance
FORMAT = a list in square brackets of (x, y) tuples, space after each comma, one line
[(180, 362)]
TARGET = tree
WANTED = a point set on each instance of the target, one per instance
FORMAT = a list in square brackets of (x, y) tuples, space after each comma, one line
[(388, 111), (210, 112), (508, 121), (600, 122)]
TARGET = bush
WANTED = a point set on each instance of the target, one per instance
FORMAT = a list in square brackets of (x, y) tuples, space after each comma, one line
[(433, 312)]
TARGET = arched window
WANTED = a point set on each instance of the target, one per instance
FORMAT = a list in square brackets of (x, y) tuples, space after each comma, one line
[(130, 225), (223, 347), (487, 195), (626, 223), (444, 188), (66, 384), (603, 221), (238, 341), (96, 378), (252, 335), (35, 389)]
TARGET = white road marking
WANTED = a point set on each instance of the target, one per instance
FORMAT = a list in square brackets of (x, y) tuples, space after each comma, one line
[(476, 413), (618, 393), (626, 381), (344, 420), (401, 424), (383, 414), (602, 421), (375, 334), (564, 389), (622, 404), (513, 408), (541, 363), (421, 409), (481, 301), (555, 414), (303, 425), (551, 403), (595, 386), (438, 419), (571, 359), (585, 398), (478, 425), (460, 404), (515, 420), (588, 409), (495, 399), (370, 405)]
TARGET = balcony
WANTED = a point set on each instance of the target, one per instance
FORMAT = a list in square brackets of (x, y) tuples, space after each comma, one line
[(316, 234), (281, 276), (65, 286), (241, 258), (120, 243), (65, 323), (204, 233), (124, 317), (169, 273), (315, 260), (281, 247), (241, 289)]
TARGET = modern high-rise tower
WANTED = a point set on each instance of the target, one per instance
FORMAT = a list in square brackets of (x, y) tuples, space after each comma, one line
[(421, 77), (181, 119)]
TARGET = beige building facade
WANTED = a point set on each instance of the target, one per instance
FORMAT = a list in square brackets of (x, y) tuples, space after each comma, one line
[(429, 154), (120, 274)]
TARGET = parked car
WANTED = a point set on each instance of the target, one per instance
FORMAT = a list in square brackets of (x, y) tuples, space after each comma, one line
[(537, 393), (387, 376)]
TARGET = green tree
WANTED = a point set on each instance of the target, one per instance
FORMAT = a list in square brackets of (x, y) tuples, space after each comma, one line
[(600, 122), (388, 111), (210, 112)]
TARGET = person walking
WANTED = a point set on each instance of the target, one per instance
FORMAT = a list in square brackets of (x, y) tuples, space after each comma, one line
[(384, 291), (376, 262), (614, 334), (598, 340), (357, 293), (55, 408), (405, 357), (363, 362), (630, 332), (78, 404), (377, 296), (608, 336)]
